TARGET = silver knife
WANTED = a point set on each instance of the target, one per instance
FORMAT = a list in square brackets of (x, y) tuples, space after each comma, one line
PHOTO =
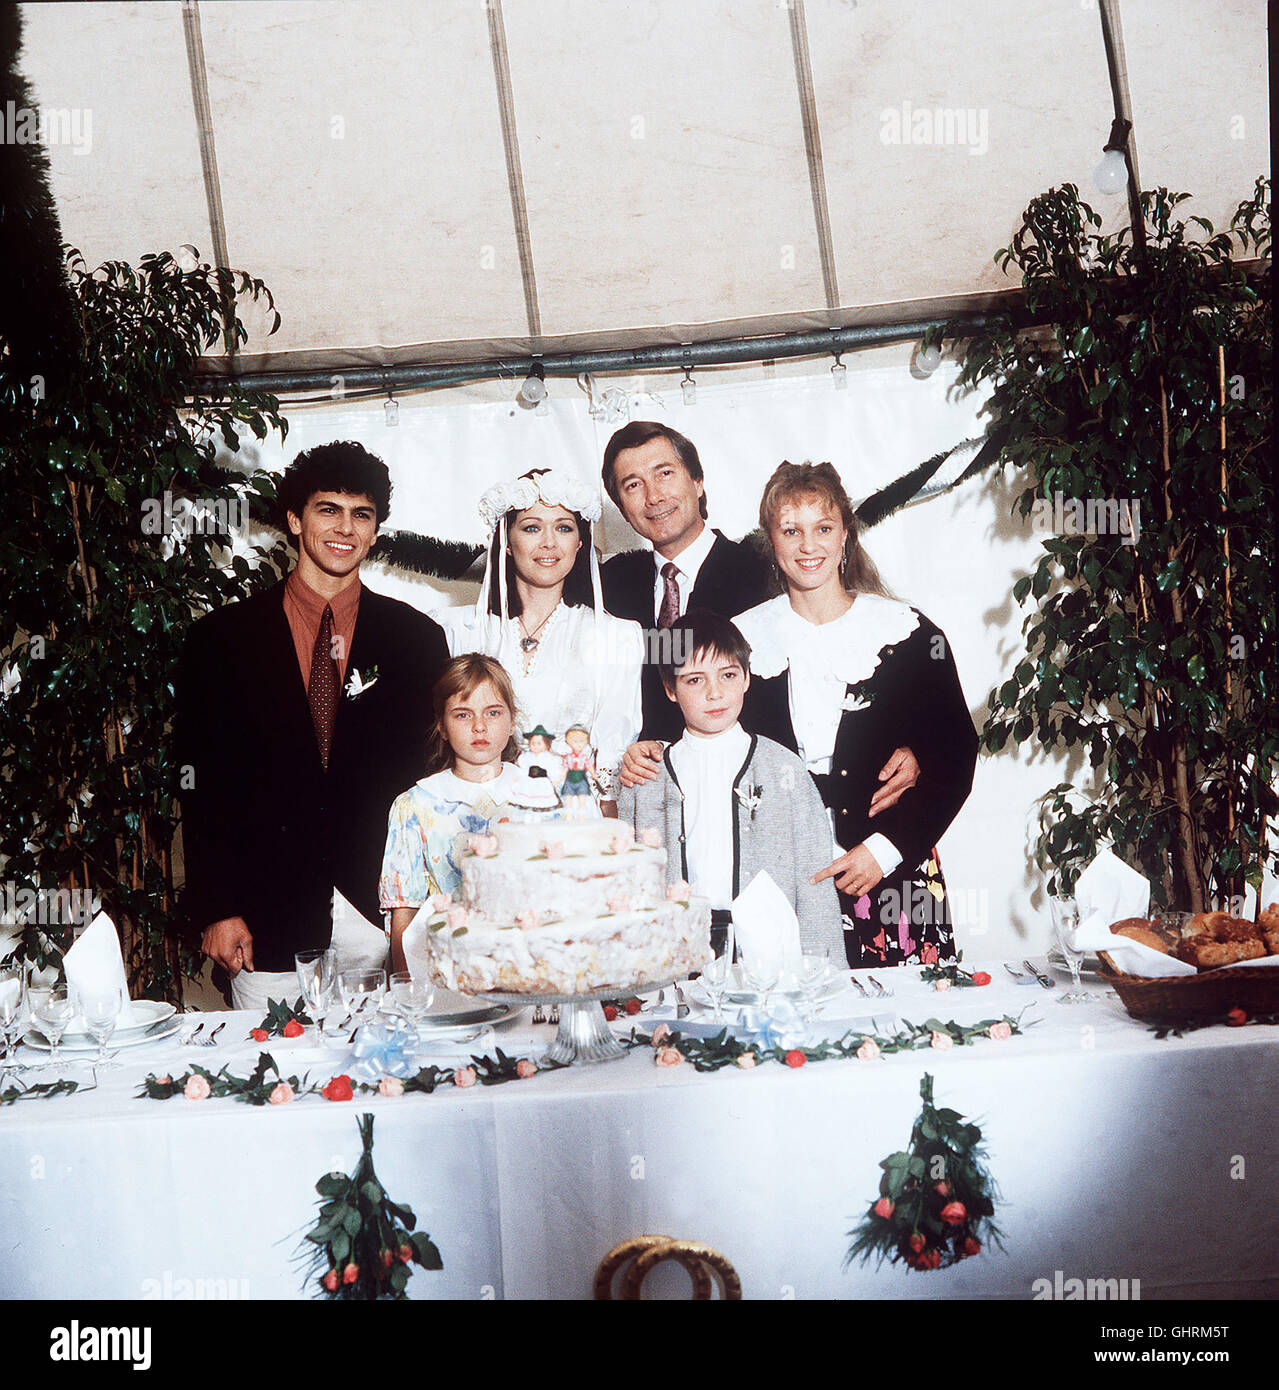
[(1043, 979)]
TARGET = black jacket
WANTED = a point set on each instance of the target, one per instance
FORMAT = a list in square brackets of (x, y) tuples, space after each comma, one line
[(267, 832), (916, 702), (733, 578)]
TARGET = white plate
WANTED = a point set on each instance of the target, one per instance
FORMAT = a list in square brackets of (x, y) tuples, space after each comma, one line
[(79, 1046), (477, 1016), (739, 992), (148, 1013)]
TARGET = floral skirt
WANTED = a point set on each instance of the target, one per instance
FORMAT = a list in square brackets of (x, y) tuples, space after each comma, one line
[(904, 920)]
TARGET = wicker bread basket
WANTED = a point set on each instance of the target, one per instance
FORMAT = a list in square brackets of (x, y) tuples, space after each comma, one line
[(1213, 994)]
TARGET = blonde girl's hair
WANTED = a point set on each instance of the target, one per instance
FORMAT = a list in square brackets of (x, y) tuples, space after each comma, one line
[(463, 676), (796, 481)]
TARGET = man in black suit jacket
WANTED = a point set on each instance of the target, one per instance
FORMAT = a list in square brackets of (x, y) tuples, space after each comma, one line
[(285, 797), (655, 477)]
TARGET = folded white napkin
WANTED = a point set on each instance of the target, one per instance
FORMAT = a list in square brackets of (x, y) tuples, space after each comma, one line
[(765, 925), (94, 962), (1107, 892)]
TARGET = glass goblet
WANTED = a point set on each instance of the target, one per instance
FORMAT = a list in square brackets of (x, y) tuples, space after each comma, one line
[(361, 992), (762, 971), (101, 1010), (413, 995), (814, 974), (716, 976), (52, 1014), (12, 999), (315, 971), (1065, 915)]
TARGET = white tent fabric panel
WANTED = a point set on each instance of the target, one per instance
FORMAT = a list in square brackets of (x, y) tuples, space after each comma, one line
[(938, 127), (1204, 106), (364, 176)]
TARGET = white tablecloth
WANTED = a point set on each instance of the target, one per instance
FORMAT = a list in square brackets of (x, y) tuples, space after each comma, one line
[(1117, 1156)]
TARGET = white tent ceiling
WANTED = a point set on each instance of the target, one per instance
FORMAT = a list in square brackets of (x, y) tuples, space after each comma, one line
[(361, 168)]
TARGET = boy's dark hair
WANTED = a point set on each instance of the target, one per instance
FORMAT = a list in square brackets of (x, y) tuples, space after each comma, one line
[(640, 432), (343, 466), (700, 630)]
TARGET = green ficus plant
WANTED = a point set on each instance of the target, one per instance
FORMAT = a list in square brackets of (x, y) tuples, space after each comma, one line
[(1134, 399), (117, 533)]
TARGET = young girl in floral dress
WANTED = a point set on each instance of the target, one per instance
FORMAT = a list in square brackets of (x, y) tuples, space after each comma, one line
[(471, 773)]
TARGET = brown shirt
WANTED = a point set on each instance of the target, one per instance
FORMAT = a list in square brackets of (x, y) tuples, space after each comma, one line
[(304, 609)]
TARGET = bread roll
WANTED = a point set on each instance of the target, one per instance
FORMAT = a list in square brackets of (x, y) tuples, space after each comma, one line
[(1209, 955), (1137, 929)]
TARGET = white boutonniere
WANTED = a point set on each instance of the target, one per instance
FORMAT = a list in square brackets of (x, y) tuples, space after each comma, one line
[(855, 702), (357, 684), (750, 797)]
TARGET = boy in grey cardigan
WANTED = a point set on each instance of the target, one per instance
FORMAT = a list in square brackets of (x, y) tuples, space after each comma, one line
[(727, 803)]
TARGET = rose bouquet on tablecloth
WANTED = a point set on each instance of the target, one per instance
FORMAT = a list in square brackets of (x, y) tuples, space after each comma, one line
[(936, 1200), (362, 1244)]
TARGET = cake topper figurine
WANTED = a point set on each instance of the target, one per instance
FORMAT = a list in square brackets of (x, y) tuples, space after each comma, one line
[(538, 752), (576, 764)]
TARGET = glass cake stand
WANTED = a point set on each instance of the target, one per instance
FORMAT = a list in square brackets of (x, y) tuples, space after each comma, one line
[(584, 1034)]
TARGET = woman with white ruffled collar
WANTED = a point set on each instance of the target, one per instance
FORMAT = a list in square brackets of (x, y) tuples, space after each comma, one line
[(540, 613), (843, 673)]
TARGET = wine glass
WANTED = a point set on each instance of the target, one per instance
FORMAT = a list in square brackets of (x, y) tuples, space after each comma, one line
[(101, 1009), (315, 971), (413, 995), (12, 999), (814, 974), (762, 969), (53, 1011), (716, 976), (361, 992), (1065, 915)]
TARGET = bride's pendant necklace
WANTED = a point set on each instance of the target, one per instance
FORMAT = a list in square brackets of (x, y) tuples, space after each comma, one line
[(529, 642)]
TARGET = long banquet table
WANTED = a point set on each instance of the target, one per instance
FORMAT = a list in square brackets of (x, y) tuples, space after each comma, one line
[(1117, 1156)]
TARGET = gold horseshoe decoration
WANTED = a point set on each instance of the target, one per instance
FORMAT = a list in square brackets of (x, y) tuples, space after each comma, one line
[(646, 1252)]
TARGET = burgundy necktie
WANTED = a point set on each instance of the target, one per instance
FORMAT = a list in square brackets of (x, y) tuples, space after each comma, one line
[(322, 693), (670, 598)]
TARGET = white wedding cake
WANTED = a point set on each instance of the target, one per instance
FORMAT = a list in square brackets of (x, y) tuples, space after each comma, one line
[(563, 907)]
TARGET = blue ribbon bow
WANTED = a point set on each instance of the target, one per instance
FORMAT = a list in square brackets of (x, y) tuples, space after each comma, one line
[(383, 1049)]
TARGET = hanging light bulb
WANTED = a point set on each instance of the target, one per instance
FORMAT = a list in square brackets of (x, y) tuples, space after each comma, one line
[(839, 374), (533, 392), (1111, 175), (391, 410), (927, 360), (187, 257), (688, 386)]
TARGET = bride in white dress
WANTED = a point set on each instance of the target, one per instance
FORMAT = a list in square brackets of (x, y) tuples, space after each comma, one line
[(540, 614)]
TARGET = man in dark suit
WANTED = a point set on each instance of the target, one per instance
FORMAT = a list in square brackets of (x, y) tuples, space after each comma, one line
[(654, 475), (302, 713), (655, 478)]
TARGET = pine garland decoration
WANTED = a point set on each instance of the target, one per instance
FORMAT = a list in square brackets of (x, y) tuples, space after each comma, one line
[(363, 1243), (936, 1200)]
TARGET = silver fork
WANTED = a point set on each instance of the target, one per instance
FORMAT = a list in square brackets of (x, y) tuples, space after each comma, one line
[(1017, 975), (554, 1019), (858, 986), (191, 1038), (539, 1014), (212, 1039), (681, 1004), (880, 991)]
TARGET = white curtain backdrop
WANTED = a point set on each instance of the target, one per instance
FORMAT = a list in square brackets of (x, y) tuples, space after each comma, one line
[(955, 556)]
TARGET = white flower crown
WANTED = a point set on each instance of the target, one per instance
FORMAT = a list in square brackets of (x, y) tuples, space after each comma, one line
[(555, 487)]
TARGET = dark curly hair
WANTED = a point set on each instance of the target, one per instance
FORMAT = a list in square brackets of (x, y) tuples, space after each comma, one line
[(343, 466)]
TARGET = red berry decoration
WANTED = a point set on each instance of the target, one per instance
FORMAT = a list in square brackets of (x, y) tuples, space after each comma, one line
[(795, 1058)]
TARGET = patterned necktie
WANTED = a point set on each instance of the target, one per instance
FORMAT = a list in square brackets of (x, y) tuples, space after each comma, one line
[(670, 598), (322, 693)]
